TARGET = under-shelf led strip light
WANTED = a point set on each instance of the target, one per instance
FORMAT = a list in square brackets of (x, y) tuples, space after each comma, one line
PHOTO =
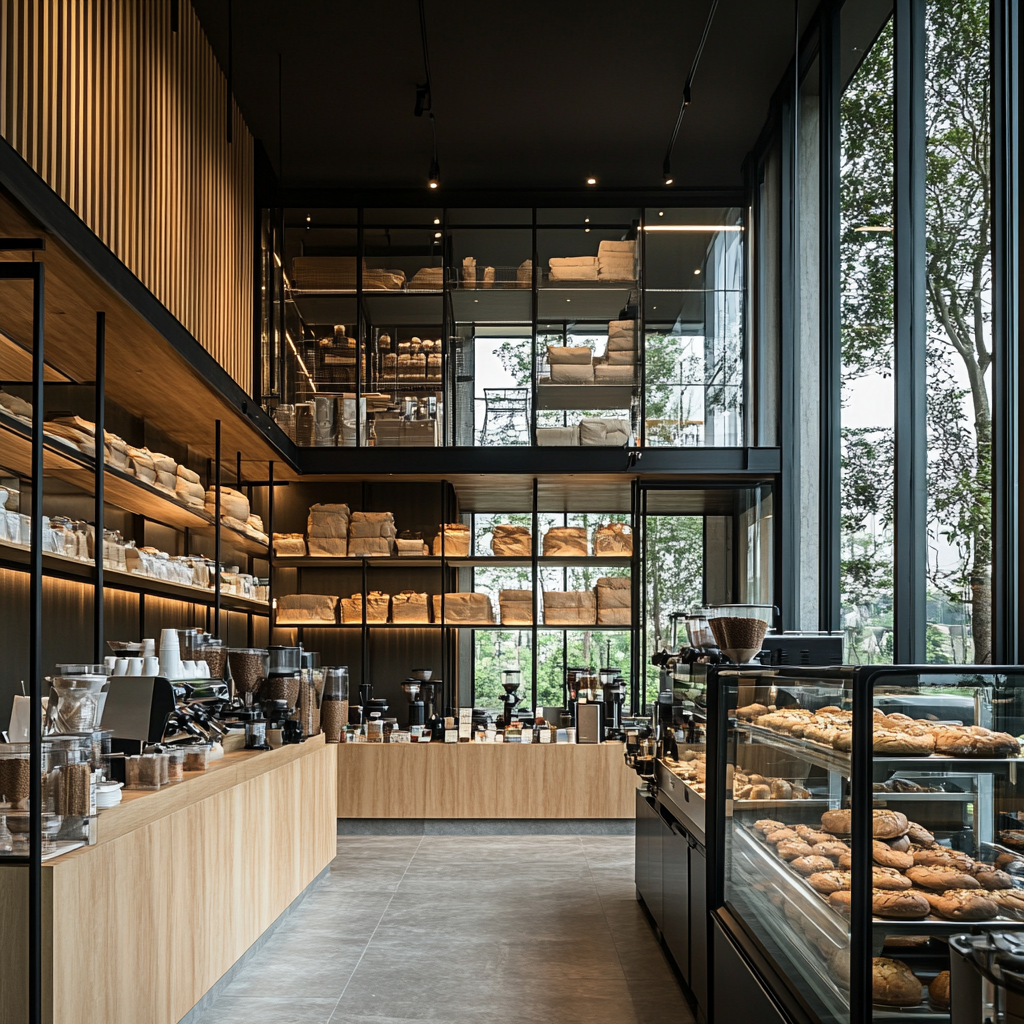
[(693, 227)]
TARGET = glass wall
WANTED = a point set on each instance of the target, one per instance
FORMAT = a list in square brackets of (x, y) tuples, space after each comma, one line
[(693, 318), (554, 327), (867, 335), (960, 345)]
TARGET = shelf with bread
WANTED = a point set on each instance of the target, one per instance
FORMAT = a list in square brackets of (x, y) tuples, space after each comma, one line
[(941, 853), (456, 561), (136, 481), (69, 456), (333, 531)]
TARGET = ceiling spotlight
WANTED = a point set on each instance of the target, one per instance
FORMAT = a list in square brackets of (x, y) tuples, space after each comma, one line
[(591, 181), (586, 230), (669, 180), (308, 219), (697, 271), (661, 213), (437, 234), (437, 220)]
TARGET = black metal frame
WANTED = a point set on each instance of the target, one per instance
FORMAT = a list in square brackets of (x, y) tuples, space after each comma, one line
[(911, 483), (830, 366), (1007, 550)]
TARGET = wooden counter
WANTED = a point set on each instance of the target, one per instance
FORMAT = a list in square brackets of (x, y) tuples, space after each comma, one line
[(484, 780), (182, 880)]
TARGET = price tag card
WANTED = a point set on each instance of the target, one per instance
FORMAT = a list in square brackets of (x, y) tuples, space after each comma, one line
[(465, 723)]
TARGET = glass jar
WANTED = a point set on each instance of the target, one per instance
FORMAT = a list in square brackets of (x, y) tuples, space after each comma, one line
[(375, 731), (334, 703)]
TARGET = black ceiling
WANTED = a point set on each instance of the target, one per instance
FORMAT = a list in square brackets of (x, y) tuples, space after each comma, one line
[(526, 95)]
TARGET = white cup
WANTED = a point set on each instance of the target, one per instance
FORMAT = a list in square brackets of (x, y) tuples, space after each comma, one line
[(135, 666), (188, 670), (120, 666), (108, 663), (203, 669), (170, 663), (149, 648), (151, 666)]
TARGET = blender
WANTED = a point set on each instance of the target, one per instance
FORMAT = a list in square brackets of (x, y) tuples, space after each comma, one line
[(510, 684)]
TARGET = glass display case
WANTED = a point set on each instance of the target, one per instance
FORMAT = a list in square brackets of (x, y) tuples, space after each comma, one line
[(604, 327), (865, 816)]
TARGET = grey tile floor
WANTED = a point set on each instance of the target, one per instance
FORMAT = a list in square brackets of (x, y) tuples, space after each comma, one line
[(458, 929)]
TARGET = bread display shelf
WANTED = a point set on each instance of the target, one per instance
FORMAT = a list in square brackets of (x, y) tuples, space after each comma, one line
[(480, 562), (837, 761), (133, 495), (63, 567), (509, 628), (836, 924), (16, 450)]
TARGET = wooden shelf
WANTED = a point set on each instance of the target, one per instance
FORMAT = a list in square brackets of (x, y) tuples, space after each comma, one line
[(13, 556), (16, 450), (482, 562), (490, 626), (67, 463)]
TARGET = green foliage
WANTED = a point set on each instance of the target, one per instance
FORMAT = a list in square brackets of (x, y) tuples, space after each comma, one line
[(958, 282)]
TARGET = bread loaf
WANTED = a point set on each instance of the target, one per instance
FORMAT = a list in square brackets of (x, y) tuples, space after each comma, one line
[(565, 542), (572, 608), (457, 540), (307, 609), (289, 545), (408, 606), (959, 904), (893, 983), (613, 539), (511, 541), (232, 503), (465, 609), (938, 991), (515, 607), (615, 608)]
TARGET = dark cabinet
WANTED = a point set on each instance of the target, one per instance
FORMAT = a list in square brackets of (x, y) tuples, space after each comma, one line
[(675, 875), (699, 938), (651, 834)]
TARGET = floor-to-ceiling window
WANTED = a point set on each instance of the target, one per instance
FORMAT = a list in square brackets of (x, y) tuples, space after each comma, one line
[(960, 344), (866, 251)]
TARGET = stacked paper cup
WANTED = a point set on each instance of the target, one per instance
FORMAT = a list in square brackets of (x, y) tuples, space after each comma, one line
[(170, 654)]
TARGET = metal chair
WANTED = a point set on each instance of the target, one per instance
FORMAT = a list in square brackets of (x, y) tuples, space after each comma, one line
[(502, 406)]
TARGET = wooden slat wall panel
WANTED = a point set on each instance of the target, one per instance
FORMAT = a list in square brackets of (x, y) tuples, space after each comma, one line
[(125, 120)]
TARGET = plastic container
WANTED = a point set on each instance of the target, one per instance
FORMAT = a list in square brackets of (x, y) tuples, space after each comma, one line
[(149, 772), (196, 757), (175, 764)]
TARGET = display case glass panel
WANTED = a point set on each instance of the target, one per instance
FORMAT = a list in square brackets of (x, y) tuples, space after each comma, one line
[(926, 846)]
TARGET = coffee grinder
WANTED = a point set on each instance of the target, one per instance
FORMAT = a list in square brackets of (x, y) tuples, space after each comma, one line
[(510, 698), (614, 700), (417, 708)]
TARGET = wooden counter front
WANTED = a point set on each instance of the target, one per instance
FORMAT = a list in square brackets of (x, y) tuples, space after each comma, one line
[(484, 780), (181, 882)]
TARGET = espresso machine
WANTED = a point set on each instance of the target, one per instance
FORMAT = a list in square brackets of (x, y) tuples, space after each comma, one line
[(510, 683)]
